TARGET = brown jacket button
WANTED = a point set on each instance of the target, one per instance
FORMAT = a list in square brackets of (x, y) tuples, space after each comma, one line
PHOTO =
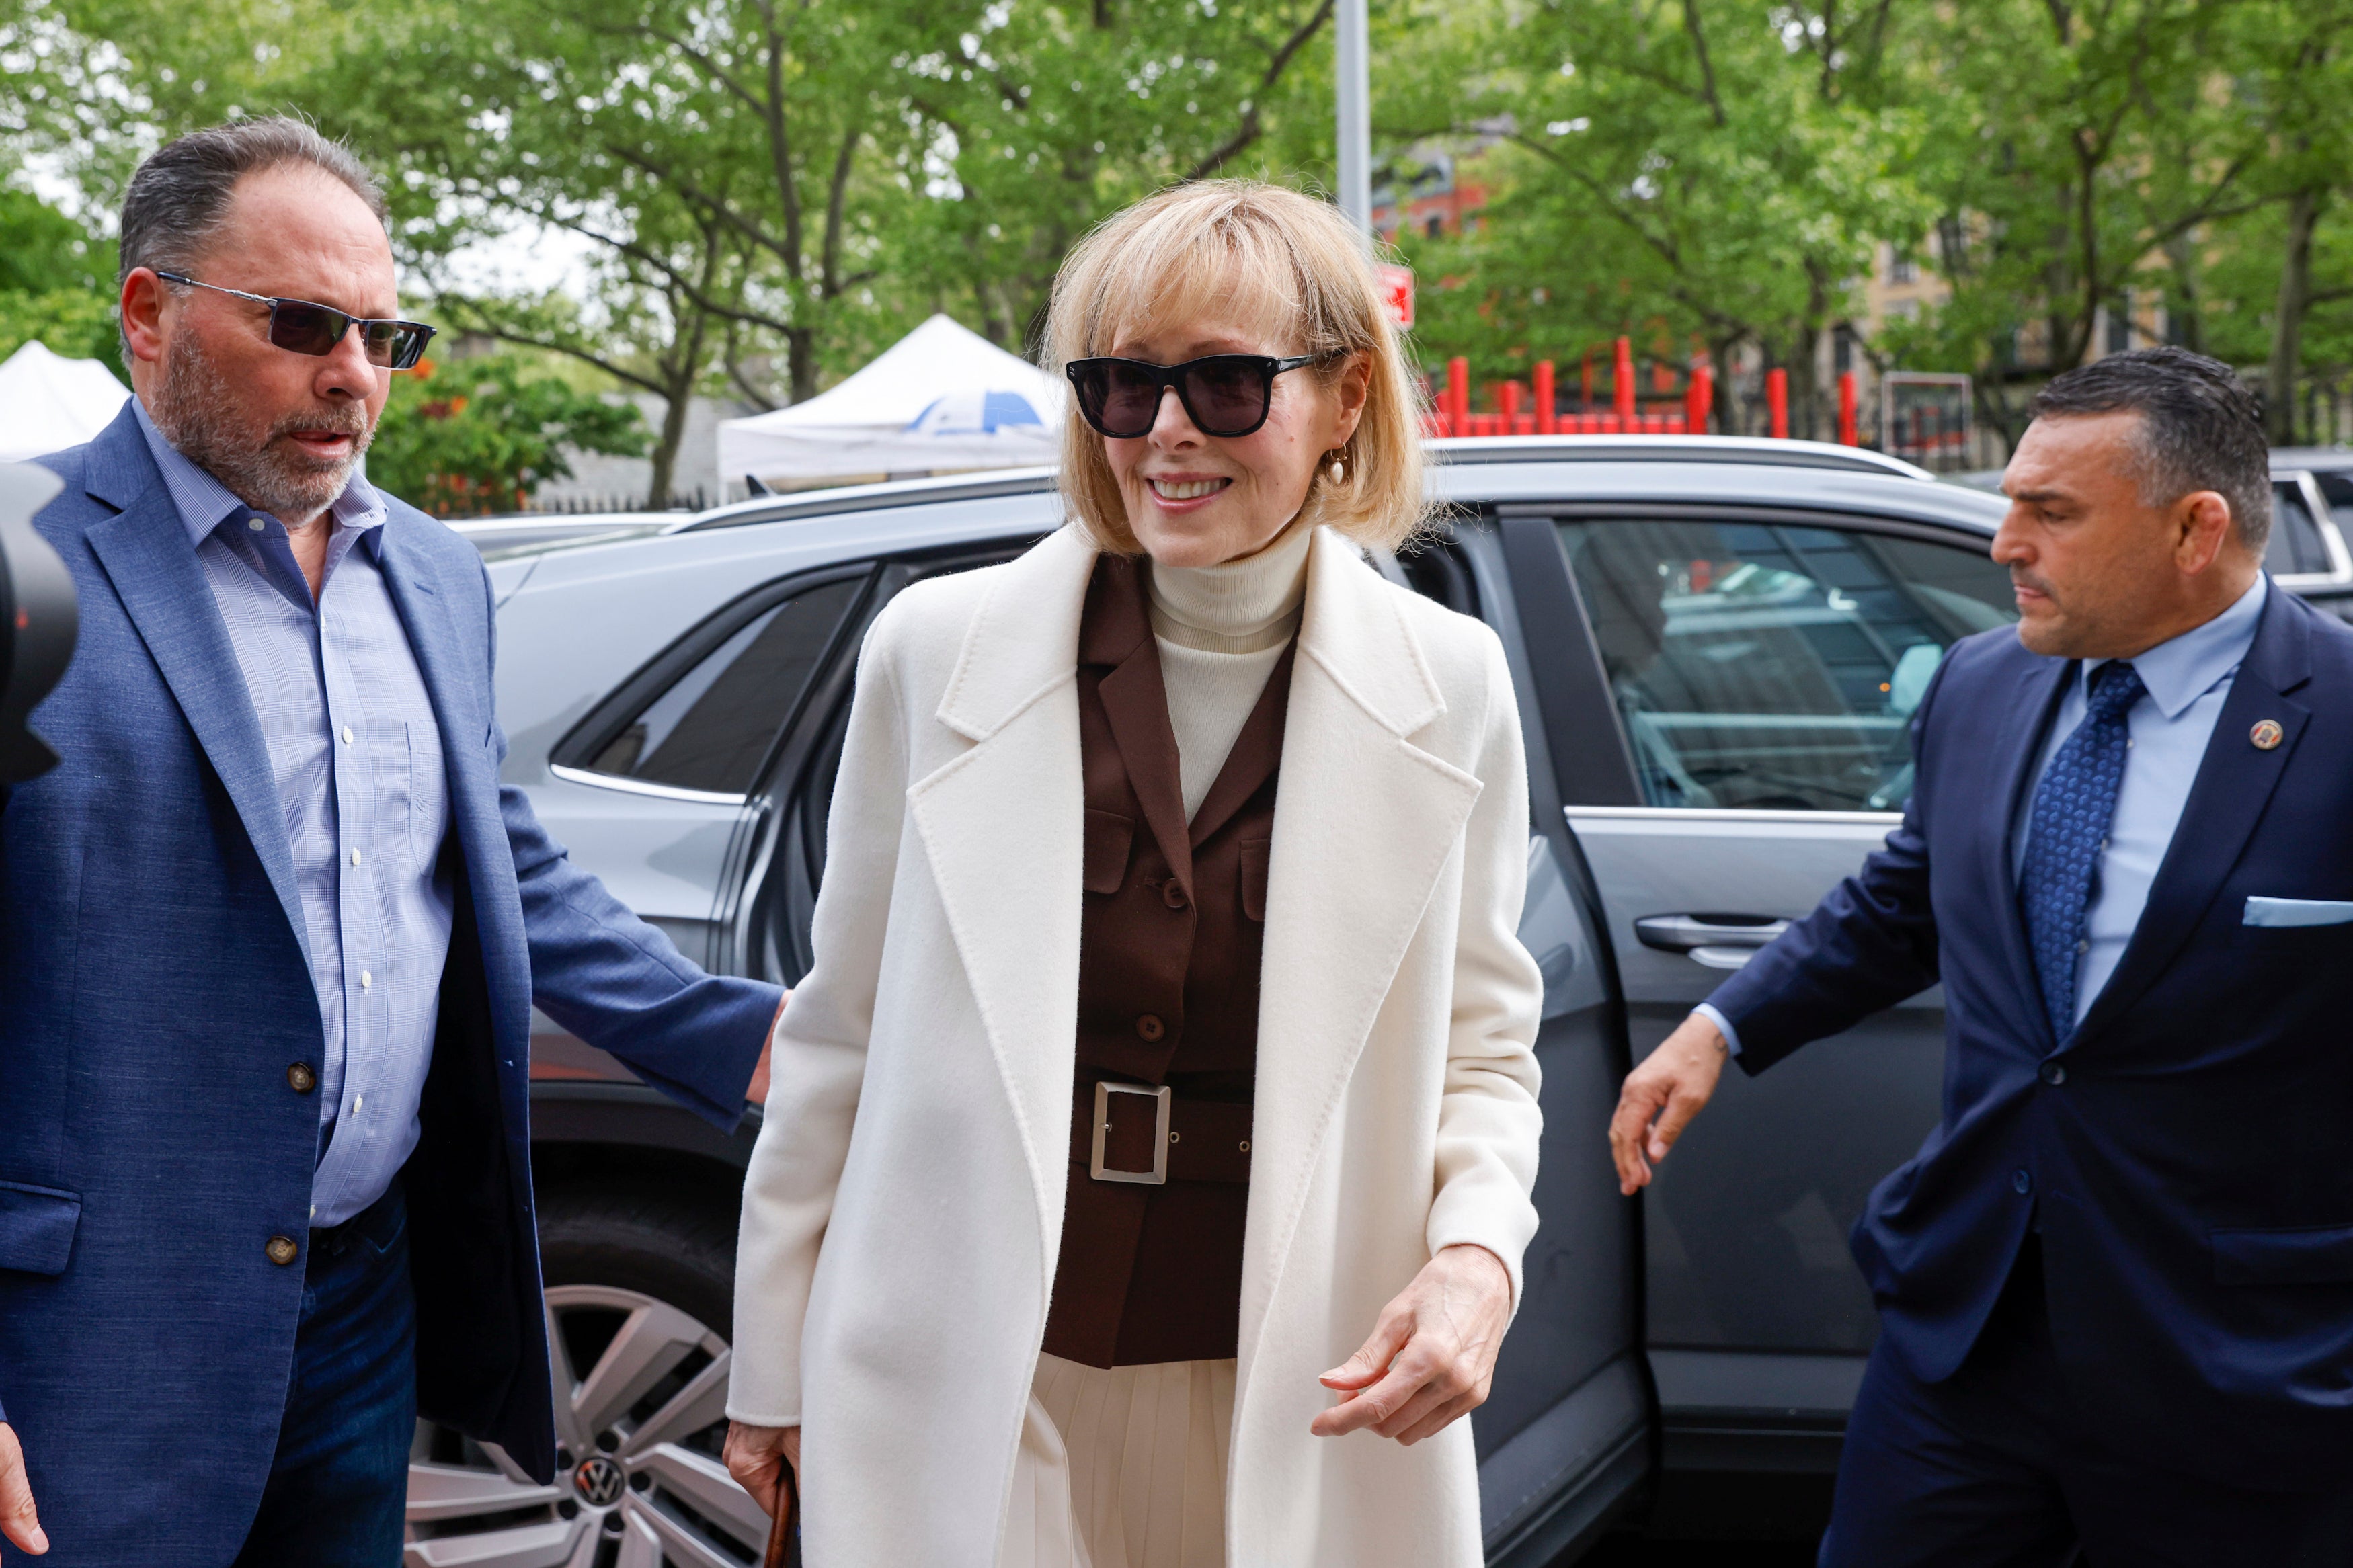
[(282, 1251), (1172, 893), (1148, 1028), (300, 1078)]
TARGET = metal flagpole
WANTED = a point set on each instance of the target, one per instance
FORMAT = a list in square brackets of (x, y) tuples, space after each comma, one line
[(1355, 106)]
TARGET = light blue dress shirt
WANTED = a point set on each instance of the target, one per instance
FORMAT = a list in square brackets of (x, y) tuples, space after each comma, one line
[(2188, 678), (357, 755)]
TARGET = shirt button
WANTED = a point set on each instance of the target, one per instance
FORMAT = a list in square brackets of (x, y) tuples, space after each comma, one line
[(347, 734), (1148, 1028), (367, 978), (355, 856), (2084, 944), (254, 523), (2053, 1074), (2020, 1183), (281, 1250), (1172, 893), (358, 1101), (302, 1079)]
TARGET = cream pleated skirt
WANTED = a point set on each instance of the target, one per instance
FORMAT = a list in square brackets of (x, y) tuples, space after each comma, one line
[(1124, 1467)]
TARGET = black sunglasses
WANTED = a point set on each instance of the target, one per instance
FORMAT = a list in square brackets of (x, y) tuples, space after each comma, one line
[(1223, 394), (307, 329)]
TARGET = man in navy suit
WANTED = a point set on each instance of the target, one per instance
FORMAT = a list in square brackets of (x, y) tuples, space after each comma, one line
[(272, 932), (2116, 1284)]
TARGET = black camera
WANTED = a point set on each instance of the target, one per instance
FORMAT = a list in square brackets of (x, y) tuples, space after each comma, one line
[(37, 619)]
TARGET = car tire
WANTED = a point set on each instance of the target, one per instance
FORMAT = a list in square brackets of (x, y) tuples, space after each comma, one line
[(672, 1243)]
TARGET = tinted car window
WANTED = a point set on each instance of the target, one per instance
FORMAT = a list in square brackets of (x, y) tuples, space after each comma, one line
[(712, 728), (2295, 544), (1771, 667)]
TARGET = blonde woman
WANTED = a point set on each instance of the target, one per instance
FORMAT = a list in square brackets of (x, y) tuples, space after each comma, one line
[(1147, 1168)]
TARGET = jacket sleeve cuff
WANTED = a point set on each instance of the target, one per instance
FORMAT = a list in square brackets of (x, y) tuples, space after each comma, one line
[(1722, 1024), (750, 1416)]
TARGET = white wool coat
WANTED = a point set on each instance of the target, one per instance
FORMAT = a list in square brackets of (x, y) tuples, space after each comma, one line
[(903, 1208)]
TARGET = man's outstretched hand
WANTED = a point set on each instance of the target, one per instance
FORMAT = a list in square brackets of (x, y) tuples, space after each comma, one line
[(18, 1522), (1662, 1096)]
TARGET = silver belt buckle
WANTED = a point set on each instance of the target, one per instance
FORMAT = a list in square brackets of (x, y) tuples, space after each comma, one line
[(1158, 1175)]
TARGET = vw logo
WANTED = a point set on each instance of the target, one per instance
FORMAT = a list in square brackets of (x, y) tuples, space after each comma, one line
[(600, 1481)]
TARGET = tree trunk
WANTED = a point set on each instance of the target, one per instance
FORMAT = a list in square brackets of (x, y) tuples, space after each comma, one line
[(665, 453), (1805, 358), (681, 368), (2287, 318), (2186, 310), (800, 358), (1727, 403)]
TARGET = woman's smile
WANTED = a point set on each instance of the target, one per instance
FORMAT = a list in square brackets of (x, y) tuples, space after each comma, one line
[(1178, 494)]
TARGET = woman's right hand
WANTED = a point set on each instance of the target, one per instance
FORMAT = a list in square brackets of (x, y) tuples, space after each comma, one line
[(756, 1457)]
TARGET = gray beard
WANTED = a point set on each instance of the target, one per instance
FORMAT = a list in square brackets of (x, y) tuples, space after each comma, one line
[(197, 412)]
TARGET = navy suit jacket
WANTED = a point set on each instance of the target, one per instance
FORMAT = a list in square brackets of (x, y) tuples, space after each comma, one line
[(2187, 1152), (153, 991)]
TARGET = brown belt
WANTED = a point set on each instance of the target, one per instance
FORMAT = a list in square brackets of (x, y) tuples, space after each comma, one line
[(1206, 1140)]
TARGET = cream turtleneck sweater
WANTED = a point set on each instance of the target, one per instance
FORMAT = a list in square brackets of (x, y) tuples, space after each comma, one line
[(1220, 631)]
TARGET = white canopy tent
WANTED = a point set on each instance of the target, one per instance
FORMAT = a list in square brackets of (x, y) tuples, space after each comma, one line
[(48, 403), (940, 397)]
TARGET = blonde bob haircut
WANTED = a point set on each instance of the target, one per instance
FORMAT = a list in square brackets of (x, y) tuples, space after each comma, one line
[(1272, 262)]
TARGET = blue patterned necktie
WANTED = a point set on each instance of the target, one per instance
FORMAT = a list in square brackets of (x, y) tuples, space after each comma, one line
[(2073, 809)]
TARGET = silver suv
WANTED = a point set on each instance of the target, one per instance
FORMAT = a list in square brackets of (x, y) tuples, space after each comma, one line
[(1718, 644)]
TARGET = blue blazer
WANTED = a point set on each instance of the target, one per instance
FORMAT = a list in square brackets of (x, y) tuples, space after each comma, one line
[(153, 991), (2187, 1153)]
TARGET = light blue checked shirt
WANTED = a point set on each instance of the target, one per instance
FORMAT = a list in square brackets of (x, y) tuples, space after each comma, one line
[(357, 754)]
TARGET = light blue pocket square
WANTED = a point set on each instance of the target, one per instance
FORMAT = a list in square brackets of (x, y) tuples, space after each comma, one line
[(2297, 912)]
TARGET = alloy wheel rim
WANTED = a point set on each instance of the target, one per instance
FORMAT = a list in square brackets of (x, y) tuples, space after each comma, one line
[(639, 1484)]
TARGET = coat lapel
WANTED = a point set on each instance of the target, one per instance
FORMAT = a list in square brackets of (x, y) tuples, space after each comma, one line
[(145, 553), (1002, 827), (1365, 823), (1257, 753), (2234, 784), (2018, 745), (1135, 705)]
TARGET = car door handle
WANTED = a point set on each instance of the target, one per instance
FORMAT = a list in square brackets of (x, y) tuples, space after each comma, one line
[(1714, 942)]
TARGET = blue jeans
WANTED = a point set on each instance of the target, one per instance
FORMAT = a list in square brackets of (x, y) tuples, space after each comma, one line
[(340, 1479)]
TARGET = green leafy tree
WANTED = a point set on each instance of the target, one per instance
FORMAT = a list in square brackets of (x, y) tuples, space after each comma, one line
[(43, 250), (1050, 117), (775, 192), (2094, 149), (1681, 172), (476, 436), (57, 282), (76, 323), (735, 163), (2297, 73)]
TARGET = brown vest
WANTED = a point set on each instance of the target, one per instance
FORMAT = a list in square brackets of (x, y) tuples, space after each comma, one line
[(1169, 985)]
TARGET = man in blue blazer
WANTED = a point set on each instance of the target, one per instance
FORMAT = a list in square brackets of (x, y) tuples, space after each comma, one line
[(272, 932), (2116, 1284)]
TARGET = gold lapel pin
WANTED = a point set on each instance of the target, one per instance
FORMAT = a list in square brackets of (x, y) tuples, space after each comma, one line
[(2266, 735)]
